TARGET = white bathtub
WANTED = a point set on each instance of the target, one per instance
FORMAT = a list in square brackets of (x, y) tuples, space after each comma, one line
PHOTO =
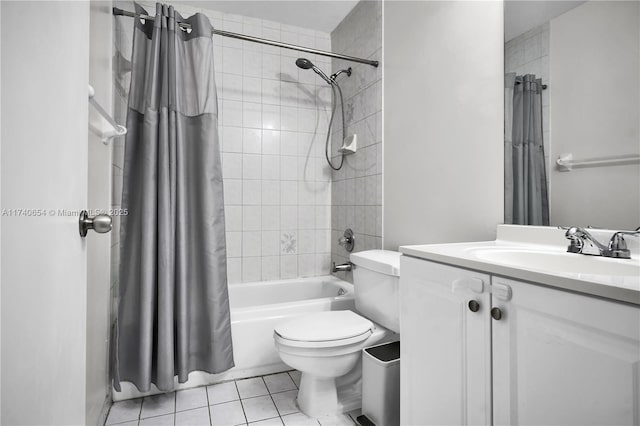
[(255, 309)]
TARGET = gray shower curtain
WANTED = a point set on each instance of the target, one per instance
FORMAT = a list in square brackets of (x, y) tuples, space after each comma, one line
[(526, 197), (173, 315)]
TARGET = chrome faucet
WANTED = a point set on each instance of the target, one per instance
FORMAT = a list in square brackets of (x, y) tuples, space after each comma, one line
[(345, 267), (581, 241)]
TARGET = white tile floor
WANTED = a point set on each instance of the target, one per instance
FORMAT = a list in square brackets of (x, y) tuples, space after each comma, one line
[(266, 400)]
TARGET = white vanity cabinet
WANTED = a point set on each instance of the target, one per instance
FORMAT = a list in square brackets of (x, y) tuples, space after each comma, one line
[(445, 372), (564, 358), (553, 358)]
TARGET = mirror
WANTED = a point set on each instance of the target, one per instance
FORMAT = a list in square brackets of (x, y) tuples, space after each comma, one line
[(575, 91)]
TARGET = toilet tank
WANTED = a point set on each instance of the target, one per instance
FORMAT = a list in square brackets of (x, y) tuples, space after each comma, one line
[(375, 280)]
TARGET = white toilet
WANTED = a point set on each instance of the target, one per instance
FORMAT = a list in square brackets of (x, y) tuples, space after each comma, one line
[(326, 346)]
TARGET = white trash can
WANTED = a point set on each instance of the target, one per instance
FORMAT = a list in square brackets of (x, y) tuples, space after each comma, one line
[(381, 385)]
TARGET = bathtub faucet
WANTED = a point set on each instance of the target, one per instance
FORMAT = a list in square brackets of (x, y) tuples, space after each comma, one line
[(343, 268)]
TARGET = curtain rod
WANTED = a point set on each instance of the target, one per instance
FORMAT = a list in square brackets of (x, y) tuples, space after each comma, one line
[(544, 86), (120, 12)]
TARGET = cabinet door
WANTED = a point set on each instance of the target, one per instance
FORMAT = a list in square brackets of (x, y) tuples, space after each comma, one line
[(445, 367), (561, 358)]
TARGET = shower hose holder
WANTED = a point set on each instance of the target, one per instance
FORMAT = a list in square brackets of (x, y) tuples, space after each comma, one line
[(349, 145)]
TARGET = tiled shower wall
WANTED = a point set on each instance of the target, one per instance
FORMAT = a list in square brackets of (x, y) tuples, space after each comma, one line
[(529, 54), (272, 126), (356, 193)]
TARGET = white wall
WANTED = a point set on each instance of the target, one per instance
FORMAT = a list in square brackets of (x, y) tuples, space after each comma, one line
[(44, 153), (99, 198), (443, 121), (595, 110)]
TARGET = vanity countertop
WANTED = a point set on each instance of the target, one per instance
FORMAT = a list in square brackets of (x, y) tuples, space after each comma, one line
[(538, 255)]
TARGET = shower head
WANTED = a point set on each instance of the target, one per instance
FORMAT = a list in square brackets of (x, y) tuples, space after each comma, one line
[(306, 64)]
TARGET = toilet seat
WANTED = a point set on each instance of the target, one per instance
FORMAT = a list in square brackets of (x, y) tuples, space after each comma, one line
[(324, 329), (323, 344)]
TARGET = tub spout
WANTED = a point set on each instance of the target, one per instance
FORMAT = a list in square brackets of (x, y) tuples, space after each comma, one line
[(342, 268)]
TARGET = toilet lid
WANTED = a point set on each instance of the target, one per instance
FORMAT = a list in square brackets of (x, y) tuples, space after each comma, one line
[(324, 326)]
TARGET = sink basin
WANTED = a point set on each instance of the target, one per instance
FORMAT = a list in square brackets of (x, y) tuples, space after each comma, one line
[(537, 255), (556, 261)]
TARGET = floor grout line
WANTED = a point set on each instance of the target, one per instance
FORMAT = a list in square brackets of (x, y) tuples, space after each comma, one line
[(268, 418), (175, 406), (274, 402), (206, 391), (226, 402), (235, 382), (291, 377), (288, 390), (190, 409), (140, 413)]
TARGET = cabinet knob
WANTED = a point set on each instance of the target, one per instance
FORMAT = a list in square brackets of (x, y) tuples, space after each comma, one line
[(496, 314), (474, 306)]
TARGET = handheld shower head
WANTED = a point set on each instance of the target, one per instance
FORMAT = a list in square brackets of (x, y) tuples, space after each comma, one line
[(306, 64)]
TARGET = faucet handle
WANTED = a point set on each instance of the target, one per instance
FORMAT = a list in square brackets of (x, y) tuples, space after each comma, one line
[(618, 246), (575, 243), (347, 240)]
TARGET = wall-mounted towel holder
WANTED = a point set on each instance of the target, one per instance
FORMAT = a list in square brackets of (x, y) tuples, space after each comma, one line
[(106, 135), (566, 163)]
